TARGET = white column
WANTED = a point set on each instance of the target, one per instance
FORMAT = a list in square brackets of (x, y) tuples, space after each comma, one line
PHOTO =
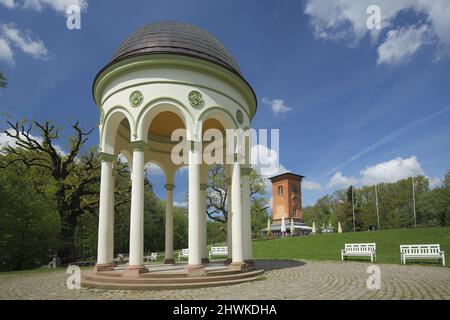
[(229, 219), (111, 221), (105, 207), (137, 208), (168, 258), (246, 213), (195, 259), (203, 225), (237, 226)]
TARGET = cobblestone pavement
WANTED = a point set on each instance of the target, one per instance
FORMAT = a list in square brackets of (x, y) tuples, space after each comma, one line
[(283, 279)]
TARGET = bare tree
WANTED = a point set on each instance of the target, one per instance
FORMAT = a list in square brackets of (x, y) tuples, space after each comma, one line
[(217, 194), (75, 176)]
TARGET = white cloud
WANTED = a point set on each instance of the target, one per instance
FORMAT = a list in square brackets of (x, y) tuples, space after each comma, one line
[(391, 136), (385, 172), (154, 169), (6, 53), (6, 140), (340, 181), (266, 161), (180, 204), (311, 185), (434, 182), (345, 20), (35, 48), (57, 5), (391, 171), (10, 4), (402, 43), (276, 105)]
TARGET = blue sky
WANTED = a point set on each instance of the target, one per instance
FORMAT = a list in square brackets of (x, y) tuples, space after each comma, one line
[(353, 105)]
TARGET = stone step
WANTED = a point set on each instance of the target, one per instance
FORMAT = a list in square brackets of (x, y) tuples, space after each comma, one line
[(163, 286), (178, 278)]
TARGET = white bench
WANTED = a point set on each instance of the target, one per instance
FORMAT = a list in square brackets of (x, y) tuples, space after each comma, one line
[(360, 250), (122, 258), (184, 253), (152, 257), (218, 251), (421, 251)]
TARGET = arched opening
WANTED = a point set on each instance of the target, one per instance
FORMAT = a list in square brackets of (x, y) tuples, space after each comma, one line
[(116, 132), (164, 124)]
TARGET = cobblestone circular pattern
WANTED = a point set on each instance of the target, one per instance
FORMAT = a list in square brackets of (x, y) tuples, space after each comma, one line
[(284, 279)]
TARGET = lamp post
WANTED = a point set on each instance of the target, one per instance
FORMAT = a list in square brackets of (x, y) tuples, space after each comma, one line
[(353, 209), (414, 199), (376, 202)]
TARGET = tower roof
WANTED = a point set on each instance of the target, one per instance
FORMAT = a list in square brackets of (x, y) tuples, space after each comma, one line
[(286, 175)]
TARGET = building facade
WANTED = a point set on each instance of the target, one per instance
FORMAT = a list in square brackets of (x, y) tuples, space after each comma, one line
[(287, 197), (287, 216)]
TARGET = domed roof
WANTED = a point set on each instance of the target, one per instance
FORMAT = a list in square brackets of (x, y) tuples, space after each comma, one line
[(171, 37)]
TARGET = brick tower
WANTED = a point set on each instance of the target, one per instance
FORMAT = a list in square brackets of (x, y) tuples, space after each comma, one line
[(287, 198)]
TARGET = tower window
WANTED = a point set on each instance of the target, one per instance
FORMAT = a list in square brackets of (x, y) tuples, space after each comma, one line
[(280, 190)]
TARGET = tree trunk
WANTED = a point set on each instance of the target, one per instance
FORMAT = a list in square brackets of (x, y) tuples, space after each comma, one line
[(66, 251)]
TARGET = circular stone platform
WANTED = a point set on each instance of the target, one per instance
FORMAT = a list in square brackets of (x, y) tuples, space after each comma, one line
[(161, 277)]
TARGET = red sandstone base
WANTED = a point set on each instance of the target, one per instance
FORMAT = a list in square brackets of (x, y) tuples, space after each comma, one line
[(104, 267), (239, 266), (134, 271), (195, 270)]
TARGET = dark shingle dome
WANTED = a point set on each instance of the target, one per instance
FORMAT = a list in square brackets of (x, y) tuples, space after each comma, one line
[(170, 37)]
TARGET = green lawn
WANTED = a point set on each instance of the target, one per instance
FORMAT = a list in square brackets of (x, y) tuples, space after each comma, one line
[(328, 247)]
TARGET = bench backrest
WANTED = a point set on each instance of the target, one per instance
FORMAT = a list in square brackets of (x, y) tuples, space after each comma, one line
[(219, 250), (420, 249), (360, 247), (154, 255), (184, 252)]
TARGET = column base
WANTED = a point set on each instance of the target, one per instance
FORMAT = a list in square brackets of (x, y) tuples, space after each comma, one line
[(169, 261), (195, 270), (134, 271), (239, 266), (250, 264), (100, 267), (205, 260)]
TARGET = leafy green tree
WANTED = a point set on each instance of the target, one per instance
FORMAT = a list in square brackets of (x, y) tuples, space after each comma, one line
[(29, 223), (72, 178), (3, 83), (214, 232), (447, 180), (395, 206), (180, 228)]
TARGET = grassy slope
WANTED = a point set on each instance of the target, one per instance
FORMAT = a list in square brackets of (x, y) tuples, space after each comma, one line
[(328, 247)]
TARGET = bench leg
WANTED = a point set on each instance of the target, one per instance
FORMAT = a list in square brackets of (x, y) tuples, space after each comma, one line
[(443, 260)]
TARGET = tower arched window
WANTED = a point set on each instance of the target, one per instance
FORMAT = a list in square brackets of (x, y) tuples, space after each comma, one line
[(280, 190)]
